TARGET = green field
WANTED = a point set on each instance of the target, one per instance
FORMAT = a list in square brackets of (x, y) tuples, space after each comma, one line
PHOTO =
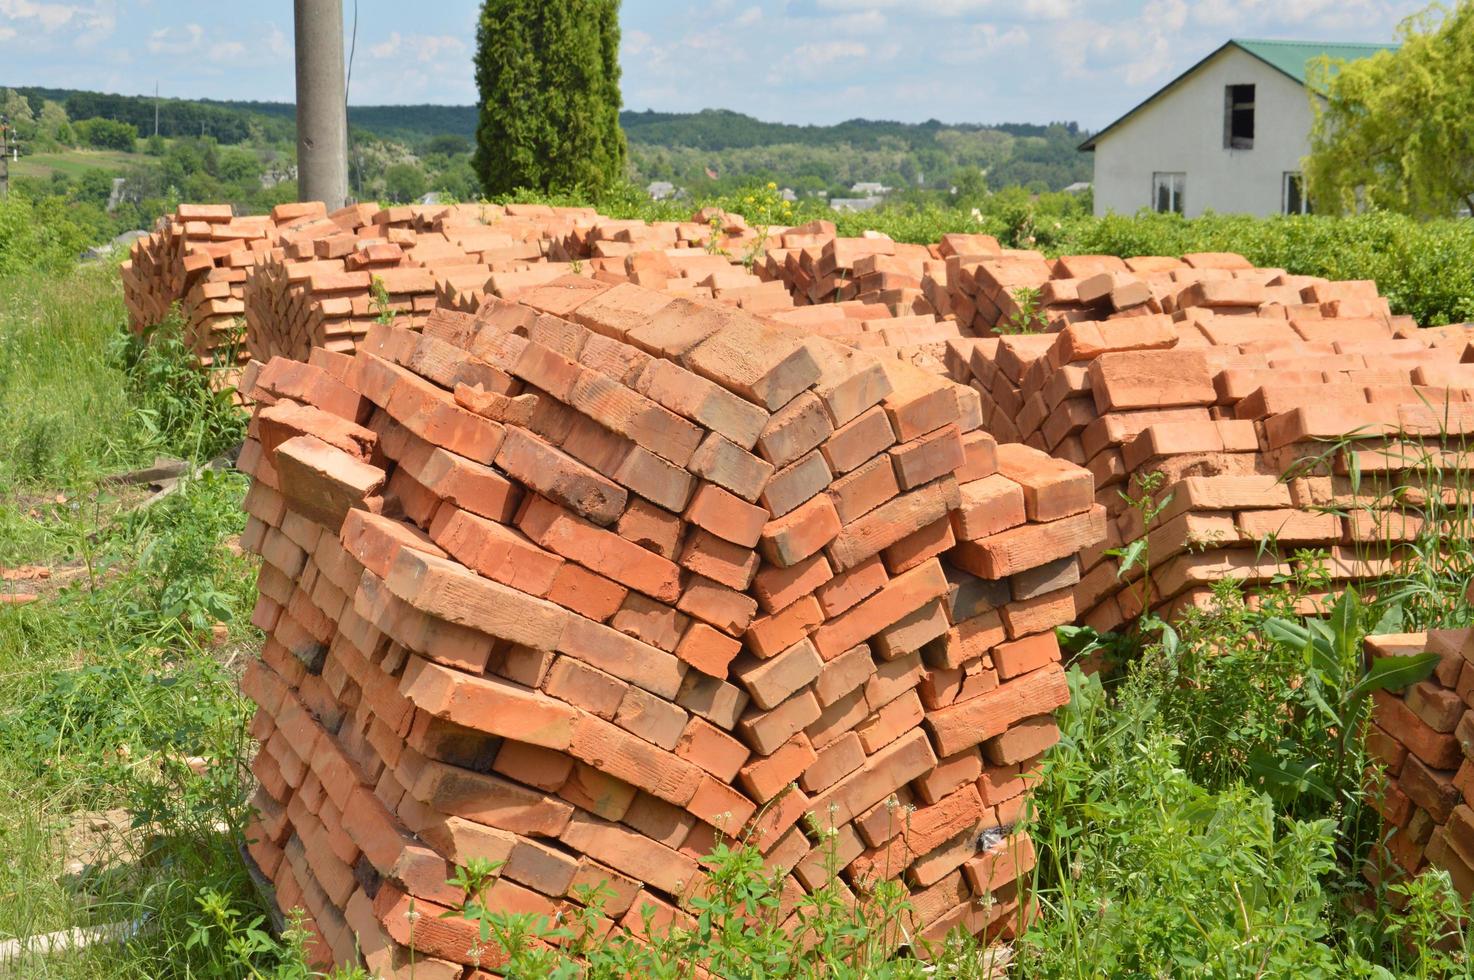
[(73, 163)]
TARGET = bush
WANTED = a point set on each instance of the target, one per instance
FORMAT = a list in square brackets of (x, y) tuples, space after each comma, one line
[(107, 134), (41, 234)]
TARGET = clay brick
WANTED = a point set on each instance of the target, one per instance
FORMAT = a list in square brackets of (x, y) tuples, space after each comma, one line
[(961, 726), (726, 516), (560, 477), (858, 441), (729, 466), (1052, 488), (988, 506), (712, 749), (773, 680), (777, 587), (892, 521), (801, 533), (488, 704), (764, 364), (599, 550), (447, 591), (927, 457), (901, 596), (765, 777)]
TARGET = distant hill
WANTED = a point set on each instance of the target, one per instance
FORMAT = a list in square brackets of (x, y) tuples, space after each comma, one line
[(685, 148)]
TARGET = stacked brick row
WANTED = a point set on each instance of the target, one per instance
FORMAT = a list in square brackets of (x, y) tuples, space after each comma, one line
[(1225, 404), (319, 290), (199, 260), (819, 267), (585, 583), (1422, 741)]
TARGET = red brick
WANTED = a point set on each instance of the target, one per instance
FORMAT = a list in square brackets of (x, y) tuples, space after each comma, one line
[(800, 533), (500, 553), (965, 724), (599, 550), (488, 704), (575, 587), (902, 595), (560, 477)]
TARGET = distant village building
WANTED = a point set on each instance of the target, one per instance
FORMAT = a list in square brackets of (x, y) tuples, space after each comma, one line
[(1077, 187), (787, 194), (853, 203), (870, 188), (659, 190), (1226, 135)]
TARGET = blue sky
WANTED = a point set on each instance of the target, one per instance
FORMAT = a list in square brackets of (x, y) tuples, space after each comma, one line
[(804, 61)]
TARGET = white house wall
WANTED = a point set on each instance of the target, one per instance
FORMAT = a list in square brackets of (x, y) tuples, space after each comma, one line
[(1182, 131)]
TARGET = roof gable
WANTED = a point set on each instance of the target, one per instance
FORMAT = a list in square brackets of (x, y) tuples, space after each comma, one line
[(1290, 58)]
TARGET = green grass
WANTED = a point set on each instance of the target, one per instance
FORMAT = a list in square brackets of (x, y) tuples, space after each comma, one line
[(73, 163), (114, 682)]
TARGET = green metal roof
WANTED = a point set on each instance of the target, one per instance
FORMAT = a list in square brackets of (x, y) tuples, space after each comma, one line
[(1291, 58)]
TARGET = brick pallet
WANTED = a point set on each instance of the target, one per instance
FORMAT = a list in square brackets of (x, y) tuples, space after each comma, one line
[(1226, 403), (818, 267), (1423, 741), (583, 582), (199, 259), (318, 292)]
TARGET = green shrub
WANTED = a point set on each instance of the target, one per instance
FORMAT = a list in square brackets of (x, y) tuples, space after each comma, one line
[(39, 234), (107, 134)]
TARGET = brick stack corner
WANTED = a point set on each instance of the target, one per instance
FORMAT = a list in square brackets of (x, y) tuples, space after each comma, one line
[(583, 582)]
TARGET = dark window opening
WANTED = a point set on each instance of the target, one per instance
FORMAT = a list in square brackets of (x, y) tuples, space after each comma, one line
[(1238, 117), (1295, 201), (1168, 191)]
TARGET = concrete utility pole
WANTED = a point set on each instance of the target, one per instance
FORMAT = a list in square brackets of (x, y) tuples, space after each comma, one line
[(322, 114)]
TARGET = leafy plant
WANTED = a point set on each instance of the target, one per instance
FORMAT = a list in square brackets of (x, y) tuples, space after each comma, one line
[(379, 296), (1027, 317)]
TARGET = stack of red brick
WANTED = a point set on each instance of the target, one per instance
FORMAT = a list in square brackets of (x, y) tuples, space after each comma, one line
[(199, 260), (582, 583), (1423, 739), (994, 290), (318, 289), (1226, 403), (819, 267)]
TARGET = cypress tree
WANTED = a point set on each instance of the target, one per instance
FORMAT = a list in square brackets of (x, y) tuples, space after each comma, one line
[(548, 73)]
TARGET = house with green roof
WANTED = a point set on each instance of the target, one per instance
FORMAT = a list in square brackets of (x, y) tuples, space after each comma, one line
[(1226, 135)]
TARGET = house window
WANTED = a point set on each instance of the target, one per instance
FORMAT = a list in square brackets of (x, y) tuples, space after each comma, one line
[(1293, 195), (1238, 117), (1167, 192)]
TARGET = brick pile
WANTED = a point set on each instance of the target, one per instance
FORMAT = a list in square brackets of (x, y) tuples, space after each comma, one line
[(582, 583), (1423, 741), (819, 267), (1225, 402), (317, 290), (199, 259)]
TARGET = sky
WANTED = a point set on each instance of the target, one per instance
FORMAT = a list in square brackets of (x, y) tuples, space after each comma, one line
[(799, 61)]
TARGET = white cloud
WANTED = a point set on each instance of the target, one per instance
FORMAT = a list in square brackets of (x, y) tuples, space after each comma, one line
[(226, 50), (748, 17), (418, 47), (277, 43), (181, 40), (6, 33), (49, 16), (824, 52), (967, 46), (635, 42), (1012, 9)]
